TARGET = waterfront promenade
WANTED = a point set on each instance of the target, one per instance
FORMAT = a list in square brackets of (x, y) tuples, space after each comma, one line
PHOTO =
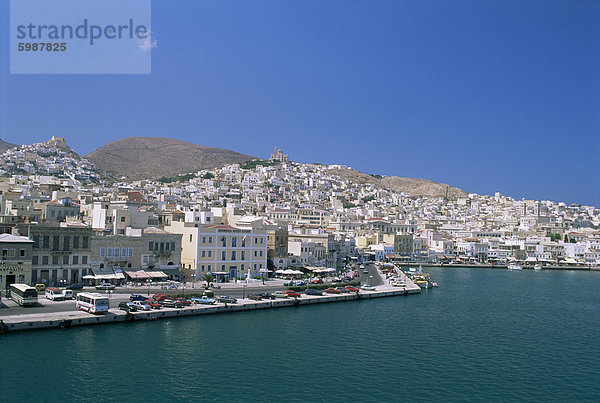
[(67, 319)]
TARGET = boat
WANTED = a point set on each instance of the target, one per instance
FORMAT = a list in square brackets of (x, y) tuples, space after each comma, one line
[(514, 267), (537, 267)]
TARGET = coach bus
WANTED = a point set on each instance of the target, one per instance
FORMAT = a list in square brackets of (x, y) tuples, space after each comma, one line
[(23, 294), (92, 302)]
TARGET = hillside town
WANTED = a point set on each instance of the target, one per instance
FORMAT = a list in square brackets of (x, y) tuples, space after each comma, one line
[(63, 220)]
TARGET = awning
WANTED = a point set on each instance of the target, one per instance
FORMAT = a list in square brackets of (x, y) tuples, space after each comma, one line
[(106, 277), (156, 274), (171, 272), (88, 277), (137, 274)]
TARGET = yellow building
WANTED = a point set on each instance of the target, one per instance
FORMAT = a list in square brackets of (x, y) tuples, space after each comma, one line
[(15, 260), (222, 250)]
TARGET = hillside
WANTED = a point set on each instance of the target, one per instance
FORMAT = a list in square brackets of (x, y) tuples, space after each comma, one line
[(5, 146), (416, 187), (154, 157)]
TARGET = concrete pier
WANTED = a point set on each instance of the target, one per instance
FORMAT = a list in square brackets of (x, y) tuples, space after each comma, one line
[(65, 320)]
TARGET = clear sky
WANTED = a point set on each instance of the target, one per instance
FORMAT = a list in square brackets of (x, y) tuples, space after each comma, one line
[(484, 95)]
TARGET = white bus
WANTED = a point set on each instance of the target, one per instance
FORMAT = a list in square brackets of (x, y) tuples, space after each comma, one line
[(92, 302), (23, 294)]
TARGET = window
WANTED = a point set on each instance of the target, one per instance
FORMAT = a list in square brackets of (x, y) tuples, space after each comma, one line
[(243, 242), (255, 240), (102, 251), (156, 245), (210, 239), (117, 254), (75, 242), (151, 245), (122, 219), (65, 259), (223, 255), (36, 241), (224, 242), (85, 241), (203, 253), (173, 246), (162, 246), (123, 252), (54, 259), (66, 243), (75, 259), (190, 237), (255, 254), (209, 267), (222, 267), (210, 253), (243, 255), (202, 268), (232, 255), (261, 252), (260, 266), (46, 242), (109, 252), (203, 239), (34, 260), (234, 242), (130, 252), (55, 242), (44, 259), (22, 252), (168, 246)]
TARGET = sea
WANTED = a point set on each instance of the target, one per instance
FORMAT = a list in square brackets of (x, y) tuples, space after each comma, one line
[(482, 335)]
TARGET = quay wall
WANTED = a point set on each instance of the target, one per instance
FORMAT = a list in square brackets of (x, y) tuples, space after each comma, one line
[(69, 319)]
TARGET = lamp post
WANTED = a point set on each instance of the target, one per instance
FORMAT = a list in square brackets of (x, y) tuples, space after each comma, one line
[(148, 283), (243, 290), (370, 280)]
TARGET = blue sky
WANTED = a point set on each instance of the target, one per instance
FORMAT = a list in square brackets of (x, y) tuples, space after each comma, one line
[(484, 95)]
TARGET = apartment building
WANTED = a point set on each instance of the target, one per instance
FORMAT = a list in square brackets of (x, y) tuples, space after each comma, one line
[(225, 251)]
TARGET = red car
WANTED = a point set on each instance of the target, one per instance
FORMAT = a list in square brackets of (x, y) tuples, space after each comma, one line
[(353, 289), (184, 302), (317, 281), (333, 291), (153, 304), (160, 297), (292, 293)]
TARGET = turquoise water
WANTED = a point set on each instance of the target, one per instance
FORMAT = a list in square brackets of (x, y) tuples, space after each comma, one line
[(484, 334)]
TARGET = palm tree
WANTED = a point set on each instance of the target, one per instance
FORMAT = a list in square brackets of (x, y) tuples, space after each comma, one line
[(209, 278)]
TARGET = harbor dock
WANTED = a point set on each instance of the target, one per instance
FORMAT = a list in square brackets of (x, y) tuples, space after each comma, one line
[(70, 319)]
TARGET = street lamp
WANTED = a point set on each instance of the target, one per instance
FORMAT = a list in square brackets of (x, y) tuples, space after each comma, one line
[(243, 290)]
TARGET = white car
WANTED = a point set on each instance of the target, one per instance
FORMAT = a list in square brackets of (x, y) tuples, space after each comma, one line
[(141, 306), (368, 287)]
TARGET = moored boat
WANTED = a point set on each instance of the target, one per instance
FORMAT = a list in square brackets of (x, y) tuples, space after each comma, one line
[(514, 267)]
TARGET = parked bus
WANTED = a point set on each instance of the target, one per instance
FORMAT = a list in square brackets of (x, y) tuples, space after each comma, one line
[(23, 294), (92, 302)]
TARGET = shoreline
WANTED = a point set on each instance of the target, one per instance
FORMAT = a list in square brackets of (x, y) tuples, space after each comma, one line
[(497, 266)]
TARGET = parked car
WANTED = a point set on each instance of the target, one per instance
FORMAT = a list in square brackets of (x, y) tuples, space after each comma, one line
[(185, 301), (169, 303), (68, 294), (292, 294), (312, 291), (40, 287), (127, 306), (153, 304), (141, 306), (367, 287), (137, 297), (332, 290), (351, 288), (160, 297), (342, 289), (255, 297), (299, 283), (365, 271), (61, 283), (317, 281), (226, 299), (105, 286), (204, 300), (54, 294), (75, 286), (266, 295), (280, 294)]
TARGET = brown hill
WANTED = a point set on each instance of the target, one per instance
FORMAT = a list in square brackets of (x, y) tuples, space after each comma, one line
[(154, 157), (5, 146), (416, 187)]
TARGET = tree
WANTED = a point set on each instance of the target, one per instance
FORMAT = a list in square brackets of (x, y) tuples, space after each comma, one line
[(209, 278)]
